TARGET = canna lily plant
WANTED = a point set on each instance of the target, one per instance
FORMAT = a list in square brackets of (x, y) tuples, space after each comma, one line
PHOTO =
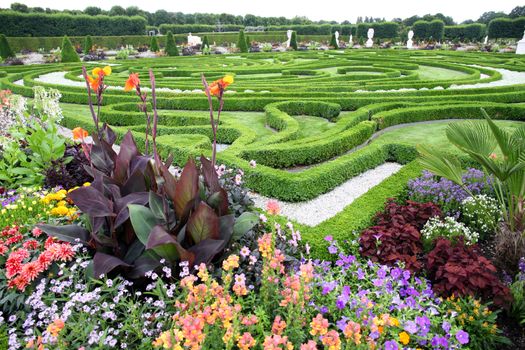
[(479, 140), (138, 214)]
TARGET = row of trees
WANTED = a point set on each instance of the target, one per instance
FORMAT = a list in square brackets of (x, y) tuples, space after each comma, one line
[(164, 17)]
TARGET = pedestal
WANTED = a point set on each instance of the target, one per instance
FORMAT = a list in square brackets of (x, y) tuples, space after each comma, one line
[(520, 49), (369, 43)]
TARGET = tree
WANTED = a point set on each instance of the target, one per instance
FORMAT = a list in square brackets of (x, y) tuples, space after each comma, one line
[(117, 11), (241, 43), (93, 11), (333, 42), (88, 45), (293, 40), (489, 16), (161, 17), (518, 11), (248, 42), (171, 45), (18, 7), (5, 49), (205, 42), (133, 11), (154, 44), (68, 53)]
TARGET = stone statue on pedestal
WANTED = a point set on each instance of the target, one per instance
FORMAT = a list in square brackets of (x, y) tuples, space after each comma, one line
[(410, 43), (370, 34), (520, 49)]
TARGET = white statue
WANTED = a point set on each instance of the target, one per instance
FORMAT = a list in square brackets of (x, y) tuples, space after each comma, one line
[(351, 41), (336, 34), (289, 35), (520, 49), (194, 40), (410, 42), (370, 34), (486, 41)]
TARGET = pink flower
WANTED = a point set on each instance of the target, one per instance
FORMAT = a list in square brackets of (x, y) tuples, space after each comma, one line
[(272, 207), (253, 164)]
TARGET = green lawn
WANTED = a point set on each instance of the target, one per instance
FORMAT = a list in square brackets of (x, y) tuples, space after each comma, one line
[(436, 73)]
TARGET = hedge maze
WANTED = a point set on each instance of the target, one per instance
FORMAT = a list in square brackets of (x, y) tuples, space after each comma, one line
[(309, 120)]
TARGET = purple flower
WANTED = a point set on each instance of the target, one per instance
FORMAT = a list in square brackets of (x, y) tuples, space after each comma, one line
[(332, 249), (446, 326), (391, 345), (462, 337), (329, 238), (439, 341), (411, 327)]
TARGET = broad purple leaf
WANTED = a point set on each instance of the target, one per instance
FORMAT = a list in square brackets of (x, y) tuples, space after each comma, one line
[(128, 150), (91, 202), (203, 224), (104, 263), (206, 250), (121, 205), (210, 175), (187, 187)]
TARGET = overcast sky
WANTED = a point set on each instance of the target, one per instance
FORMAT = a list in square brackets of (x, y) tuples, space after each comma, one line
[(338, 10)]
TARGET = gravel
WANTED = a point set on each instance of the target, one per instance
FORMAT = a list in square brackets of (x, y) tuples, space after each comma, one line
[(325, 206)]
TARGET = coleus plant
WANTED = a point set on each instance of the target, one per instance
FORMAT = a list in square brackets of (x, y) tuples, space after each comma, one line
[(138, 214)]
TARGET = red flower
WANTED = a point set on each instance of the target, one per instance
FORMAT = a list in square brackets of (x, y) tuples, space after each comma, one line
[(133, 82), (31, 270), (30, 244)]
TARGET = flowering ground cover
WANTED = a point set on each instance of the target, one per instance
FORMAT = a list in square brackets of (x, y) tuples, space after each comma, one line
[(139, 232)]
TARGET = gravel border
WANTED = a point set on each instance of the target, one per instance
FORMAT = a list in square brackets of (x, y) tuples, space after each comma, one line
[(325, 206)]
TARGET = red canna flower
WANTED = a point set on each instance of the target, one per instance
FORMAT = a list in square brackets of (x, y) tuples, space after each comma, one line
[(218, 86), (133, 82), (79, 133)]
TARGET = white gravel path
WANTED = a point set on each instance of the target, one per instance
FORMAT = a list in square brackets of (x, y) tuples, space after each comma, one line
[(325, 206)]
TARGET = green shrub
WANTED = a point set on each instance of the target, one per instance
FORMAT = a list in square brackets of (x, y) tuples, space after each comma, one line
[(424, 30), (293, 41), (154, 44), (68, 53), (506, 28), (470, 32), (241, 43), (5, 49), (383, 30), (333, 42), (88, 45), (206, 43), (43, 24), (171, 46)]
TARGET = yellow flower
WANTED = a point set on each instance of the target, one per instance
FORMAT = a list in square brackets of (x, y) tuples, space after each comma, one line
[(86, 184), (105, 71), (404, 338), (60, 211), (228, 79)]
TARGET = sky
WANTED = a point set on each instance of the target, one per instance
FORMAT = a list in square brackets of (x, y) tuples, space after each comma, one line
[(337, 10)]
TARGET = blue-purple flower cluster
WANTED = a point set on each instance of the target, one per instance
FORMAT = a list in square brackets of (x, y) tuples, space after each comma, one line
[(447, 194)]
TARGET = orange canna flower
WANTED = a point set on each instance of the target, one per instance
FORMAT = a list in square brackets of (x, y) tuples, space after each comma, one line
[(95, 82), (132, 82), (220, 85), (79, 133)]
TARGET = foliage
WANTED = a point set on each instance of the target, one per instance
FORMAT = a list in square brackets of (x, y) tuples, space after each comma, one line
[(42, 24), (481, 214), (396, 234), (466, 33), (241, 42), (68, 51), (506, 28), (154, 44), (479, 321), (293, 41), (88, 45), (171, 46), (447, 194), (383, 30), (517, 289), (479, 140), (333, 43), (68, 171), (447, 228), (424, 30), (456, 269), (5, 49)]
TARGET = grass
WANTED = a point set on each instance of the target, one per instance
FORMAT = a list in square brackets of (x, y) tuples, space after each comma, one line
[(436, 73), (433, 134)]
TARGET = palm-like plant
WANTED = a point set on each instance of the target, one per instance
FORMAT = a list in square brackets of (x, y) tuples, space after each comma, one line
[(480, 139)]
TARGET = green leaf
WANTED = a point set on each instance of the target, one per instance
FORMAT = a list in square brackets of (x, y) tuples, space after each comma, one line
[(142, 220), (244, 223)]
